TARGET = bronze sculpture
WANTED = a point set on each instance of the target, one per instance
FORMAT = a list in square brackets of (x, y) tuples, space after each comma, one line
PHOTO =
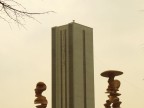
[(40, 87), (112, 89)]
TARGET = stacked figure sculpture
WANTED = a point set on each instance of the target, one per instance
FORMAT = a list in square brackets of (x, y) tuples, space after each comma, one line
[(40, 87), (113, 101)]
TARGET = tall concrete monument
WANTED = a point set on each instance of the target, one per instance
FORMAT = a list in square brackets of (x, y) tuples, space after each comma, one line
[(72, 66)]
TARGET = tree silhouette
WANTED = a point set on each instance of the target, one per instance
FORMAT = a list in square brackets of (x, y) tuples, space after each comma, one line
[(10, 10)]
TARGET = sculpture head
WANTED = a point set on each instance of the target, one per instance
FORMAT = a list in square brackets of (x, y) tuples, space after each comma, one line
[(40, 87)]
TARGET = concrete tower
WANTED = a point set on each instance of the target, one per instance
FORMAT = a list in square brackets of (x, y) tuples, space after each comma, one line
[(72, 66)]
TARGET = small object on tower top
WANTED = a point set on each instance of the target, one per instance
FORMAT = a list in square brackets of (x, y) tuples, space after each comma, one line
[(73, 21)]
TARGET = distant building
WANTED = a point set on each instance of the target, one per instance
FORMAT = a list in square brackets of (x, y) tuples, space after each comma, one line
[(72, 66)]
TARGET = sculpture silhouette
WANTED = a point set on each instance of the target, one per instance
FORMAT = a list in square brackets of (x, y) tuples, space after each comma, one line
[(40, 87), (112, 89)]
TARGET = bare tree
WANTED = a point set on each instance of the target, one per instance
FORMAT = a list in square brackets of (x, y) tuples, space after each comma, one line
[(10, 10)]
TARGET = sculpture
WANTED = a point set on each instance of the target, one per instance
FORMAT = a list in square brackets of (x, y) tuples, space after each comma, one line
[(112, 89), (40, 87)]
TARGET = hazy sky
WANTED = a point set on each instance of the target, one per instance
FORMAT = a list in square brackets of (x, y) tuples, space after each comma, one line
[(25, 54)]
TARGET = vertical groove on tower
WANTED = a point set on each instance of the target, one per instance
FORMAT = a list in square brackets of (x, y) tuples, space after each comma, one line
[(53, 68), (65, 69), (84, 69), (71, 101), (61, 70)]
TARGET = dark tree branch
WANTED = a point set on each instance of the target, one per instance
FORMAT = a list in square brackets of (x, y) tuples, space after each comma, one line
[(14, 14)]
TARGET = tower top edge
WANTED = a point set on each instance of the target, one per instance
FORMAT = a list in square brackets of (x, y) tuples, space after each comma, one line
[(72, 23)]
